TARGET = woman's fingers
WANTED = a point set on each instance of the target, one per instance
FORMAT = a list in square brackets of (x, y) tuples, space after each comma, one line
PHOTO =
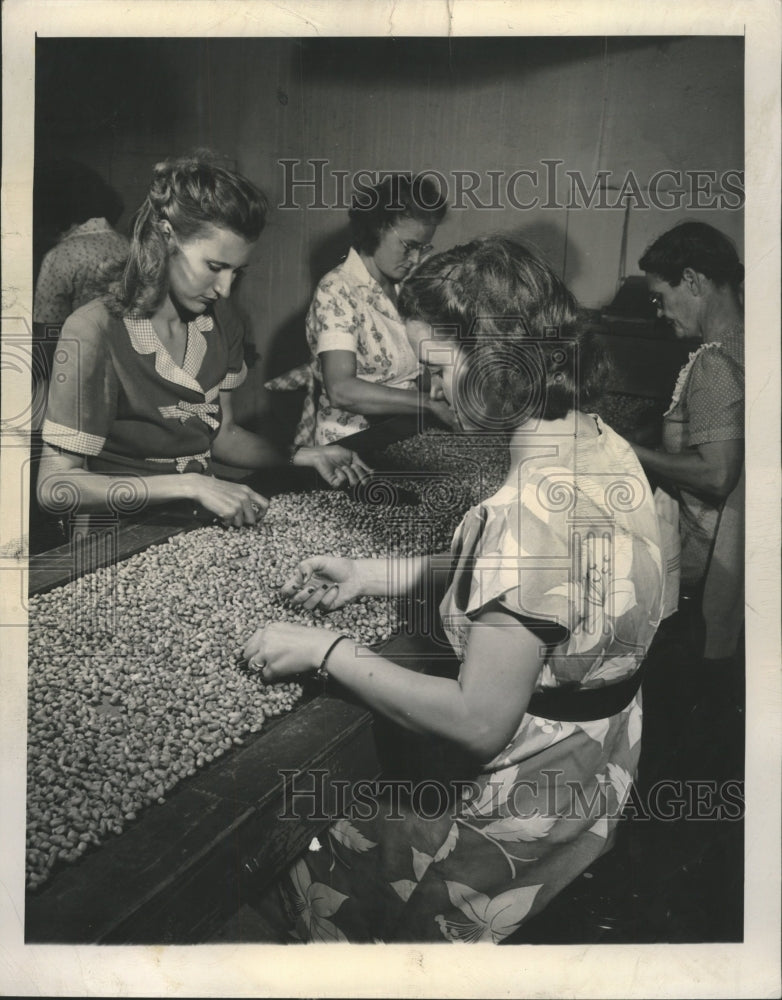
[(315, 593), (252, 648), (330, 597), (361, 467), (308, 595), (301, 574), (234, 504), (351, 475), (311, 593), (259, 505)]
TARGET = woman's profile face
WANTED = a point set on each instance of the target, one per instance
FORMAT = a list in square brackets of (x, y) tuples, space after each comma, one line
[(401, 246), (676, 304), (202, 270), (446, 361)]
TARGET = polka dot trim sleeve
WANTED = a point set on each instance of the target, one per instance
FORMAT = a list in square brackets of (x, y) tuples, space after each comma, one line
[(715, 399), (53, 299)]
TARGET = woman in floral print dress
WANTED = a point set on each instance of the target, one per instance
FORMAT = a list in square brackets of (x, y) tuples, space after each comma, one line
[(363, 363), (555, 589)]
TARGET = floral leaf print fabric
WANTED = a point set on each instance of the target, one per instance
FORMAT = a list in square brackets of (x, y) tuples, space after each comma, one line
[(537, 815), (351, 312), (448, 844), (515, 829), (347, 835), (314, 903), (487, 919)]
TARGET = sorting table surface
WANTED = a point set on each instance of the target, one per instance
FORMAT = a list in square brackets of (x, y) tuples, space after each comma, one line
[(181, 869)]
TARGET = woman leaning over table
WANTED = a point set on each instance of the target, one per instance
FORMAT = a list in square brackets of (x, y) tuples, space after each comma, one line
[(363, 364), (555, 587), (142, 380)]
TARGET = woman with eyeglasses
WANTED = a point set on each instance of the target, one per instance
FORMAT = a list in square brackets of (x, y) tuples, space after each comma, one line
[(695, 279), (362, 360)]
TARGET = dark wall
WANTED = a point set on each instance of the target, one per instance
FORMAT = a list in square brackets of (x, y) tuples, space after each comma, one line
[(469, 104)]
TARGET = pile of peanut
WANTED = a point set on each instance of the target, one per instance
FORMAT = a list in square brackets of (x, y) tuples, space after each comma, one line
[(136, 676)]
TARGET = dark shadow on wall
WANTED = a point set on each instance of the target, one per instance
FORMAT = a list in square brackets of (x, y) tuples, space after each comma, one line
[(552, 242), (416, 62), (287, 347)]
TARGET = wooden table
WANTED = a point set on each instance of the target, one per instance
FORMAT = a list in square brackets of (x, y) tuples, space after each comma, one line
[(178, 872), (181, 870)]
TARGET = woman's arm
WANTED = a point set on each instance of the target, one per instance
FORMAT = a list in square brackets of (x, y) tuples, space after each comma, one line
[(480, 711), (713, 468), (327, 582), (357, 395), (241, 448), (233, 445), (63, 476)]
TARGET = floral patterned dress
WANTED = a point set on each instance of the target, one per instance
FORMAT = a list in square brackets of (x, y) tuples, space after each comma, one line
[(570, 542), (351, 312)]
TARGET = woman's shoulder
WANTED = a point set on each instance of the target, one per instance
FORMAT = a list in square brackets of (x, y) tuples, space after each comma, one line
[(93, 317), (93, 327), (336, 295), (713, 359)]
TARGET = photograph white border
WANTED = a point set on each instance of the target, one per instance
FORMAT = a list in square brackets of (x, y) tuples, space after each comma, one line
[(750, 969)]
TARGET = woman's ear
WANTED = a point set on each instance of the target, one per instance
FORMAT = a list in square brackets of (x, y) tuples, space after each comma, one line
[(167, 231), (694, 280)]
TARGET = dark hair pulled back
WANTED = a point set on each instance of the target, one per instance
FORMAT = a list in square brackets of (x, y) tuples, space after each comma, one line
[(192, 194)]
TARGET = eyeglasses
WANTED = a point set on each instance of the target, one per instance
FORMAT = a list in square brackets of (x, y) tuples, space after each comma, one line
[(411, 247)]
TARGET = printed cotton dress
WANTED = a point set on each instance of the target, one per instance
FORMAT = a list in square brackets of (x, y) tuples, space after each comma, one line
[(118, 397), (569, 542)]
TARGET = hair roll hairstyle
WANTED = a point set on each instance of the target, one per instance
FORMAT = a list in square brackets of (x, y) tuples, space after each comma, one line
[(396, 197), (526, 354), (696, 245), (191, 193)]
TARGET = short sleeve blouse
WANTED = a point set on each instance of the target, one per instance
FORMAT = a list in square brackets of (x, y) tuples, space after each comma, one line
[(708, 401), (351, 312), (117, 397), (573, 542)]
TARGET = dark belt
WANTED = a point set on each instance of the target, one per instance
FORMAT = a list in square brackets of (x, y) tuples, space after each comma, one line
[(586, 704), (419, 652)]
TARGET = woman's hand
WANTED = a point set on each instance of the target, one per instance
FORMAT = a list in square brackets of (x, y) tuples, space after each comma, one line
[(332, 462), (323, 582), (283, 649), (439, 408), (234, 503), (436, 390)]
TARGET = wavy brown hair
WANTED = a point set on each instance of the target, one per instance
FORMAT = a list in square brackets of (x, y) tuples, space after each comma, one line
[(192, 194), (528, 355)]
